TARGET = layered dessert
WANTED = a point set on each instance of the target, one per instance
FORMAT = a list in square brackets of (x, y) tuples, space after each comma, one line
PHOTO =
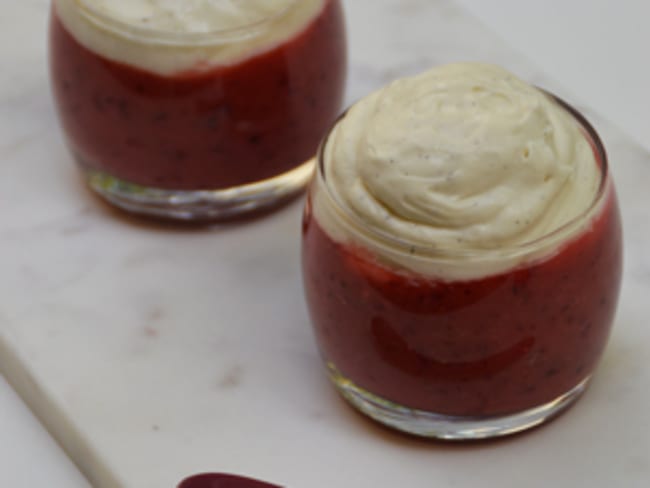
[(462, 251), (196, 95)]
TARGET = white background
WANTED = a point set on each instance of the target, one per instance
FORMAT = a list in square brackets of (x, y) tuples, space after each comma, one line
[(598, 50)]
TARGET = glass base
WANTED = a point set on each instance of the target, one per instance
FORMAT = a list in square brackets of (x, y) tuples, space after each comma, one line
[(448, 427), (200, 205)]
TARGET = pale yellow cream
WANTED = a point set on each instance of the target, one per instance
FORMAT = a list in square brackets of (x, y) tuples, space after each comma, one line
[(464, 158), (172, 36)]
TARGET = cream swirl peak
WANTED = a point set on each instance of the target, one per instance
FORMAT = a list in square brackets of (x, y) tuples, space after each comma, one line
[(171, 36), (464, 157)]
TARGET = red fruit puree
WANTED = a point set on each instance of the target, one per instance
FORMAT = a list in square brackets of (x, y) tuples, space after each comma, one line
[(490, 346), (225, 127)]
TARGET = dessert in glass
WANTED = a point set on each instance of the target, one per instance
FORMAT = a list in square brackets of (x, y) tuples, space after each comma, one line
[(196, 109), (462, 253)]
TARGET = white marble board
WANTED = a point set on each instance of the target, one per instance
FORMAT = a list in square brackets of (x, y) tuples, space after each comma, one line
[(152, 352)]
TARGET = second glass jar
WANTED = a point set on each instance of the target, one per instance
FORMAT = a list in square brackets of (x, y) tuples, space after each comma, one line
[(172, 115)]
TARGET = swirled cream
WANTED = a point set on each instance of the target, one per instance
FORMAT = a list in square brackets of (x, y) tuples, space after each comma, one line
[(174, 36), (466, 161)]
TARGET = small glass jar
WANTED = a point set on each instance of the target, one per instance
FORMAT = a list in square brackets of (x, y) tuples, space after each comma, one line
[(198, 122), (463, 358)]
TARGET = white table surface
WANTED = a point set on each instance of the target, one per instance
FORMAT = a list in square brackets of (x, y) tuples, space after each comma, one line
[(596, 49), (593, 53)]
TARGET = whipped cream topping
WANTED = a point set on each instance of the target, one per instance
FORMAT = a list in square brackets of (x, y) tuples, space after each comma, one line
[(189, 16), (466, 159), (173, 36)]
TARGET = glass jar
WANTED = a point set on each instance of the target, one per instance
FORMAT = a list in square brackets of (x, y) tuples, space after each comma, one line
[(461, 358), (184, 115)]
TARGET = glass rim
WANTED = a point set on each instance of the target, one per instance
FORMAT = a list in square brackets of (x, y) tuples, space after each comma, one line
[(156, 36), (422, 251)]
